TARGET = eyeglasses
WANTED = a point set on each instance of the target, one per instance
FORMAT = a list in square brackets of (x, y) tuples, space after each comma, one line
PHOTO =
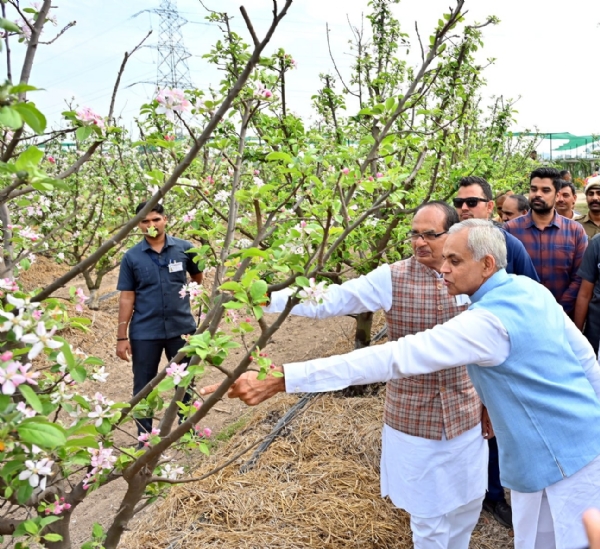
[(471, 201), (429, 236)]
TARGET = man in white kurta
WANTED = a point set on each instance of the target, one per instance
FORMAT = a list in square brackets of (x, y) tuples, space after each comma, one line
[(434, 458), (534, 371)]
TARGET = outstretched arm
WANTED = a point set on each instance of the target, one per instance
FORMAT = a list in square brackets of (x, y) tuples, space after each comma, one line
[(368, 293), (473, 337)]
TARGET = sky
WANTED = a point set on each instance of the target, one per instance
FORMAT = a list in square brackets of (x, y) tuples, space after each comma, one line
[(545, 52)]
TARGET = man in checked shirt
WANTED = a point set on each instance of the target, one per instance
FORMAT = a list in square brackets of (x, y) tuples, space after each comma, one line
[(554, 243), (434, 457)]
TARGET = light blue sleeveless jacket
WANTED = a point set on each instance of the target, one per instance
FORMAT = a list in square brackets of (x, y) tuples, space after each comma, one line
[(545, 413)]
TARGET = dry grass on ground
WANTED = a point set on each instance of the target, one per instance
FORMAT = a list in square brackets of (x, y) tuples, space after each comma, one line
[(317, 487)]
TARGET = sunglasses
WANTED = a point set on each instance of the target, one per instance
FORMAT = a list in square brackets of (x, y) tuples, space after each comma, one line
[(471, 202)]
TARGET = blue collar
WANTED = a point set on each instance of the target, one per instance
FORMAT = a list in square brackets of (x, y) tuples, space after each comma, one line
[(491, 283), (168, 242)]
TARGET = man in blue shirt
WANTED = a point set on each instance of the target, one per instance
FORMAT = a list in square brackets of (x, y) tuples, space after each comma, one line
[(474, 200), (151, 277)]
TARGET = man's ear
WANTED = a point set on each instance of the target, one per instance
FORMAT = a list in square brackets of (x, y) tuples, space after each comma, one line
[(490, 207), (489, 265)]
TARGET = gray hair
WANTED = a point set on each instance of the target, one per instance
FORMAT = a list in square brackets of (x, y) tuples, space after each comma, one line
[(483, 239)]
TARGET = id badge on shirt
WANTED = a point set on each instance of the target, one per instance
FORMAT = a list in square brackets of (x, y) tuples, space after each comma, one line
[(175, 267)]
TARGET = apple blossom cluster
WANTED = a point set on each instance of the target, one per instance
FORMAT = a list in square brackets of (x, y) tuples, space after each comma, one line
[(102, 459), (262, 92), (57, 507), (196, 293), (145, 438), (88, 117), (315, 293), (172, 101)]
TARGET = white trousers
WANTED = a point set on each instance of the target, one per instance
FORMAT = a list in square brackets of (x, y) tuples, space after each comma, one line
[(551, 518), (450, 531)]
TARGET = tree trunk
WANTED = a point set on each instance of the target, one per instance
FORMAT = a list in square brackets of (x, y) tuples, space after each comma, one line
[(362, 338), (93, 302)]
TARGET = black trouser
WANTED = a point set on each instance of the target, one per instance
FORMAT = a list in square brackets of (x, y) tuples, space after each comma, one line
[(495, 491), (146, 355)]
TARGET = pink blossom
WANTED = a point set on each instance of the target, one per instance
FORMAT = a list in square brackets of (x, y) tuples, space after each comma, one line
[(51, 159), (378, 175), (256, 172), (169, 137), (37, 314), (177, 372), (11, 377), (27, 412), (207, 432), (197, 404), (171, 101), (345, 171), (89, 118), (29, 374), (6, 356), (263, 92)]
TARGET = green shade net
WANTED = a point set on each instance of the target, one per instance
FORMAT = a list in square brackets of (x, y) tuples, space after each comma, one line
[(573, 141)]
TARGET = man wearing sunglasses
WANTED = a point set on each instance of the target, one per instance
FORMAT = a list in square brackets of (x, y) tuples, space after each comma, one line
[(434, 458), (474, 200)]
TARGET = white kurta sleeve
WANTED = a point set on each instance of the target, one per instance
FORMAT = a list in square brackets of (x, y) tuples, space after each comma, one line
[(584, 353), (368, 293), (473, 337)]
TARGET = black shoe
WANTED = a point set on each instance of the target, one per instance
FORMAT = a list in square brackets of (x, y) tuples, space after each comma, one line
[(500, 510)]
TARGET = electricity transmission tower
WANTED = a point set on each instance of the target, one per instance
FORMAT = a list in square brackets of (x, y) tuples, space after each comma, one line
[(172, 70)]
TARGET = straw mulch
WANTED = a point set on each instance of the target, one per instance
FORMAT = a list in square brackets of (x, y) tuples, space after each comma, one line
[(317, 486)]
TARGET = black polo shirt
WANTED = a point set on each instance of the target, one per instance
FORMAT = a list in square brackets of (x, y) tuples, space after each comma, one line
[(159, 311)]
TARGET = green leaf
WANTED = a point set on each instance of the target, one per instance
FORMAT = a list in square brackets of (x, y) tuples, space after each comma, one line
[(31, 527), (302, 281), (166, 384), (203, 447), (97, 530), (258, 312), (23, 494), (232, 286), (9, 26), (254, 252), (49, 520), (32, 116), (83, 132), (389, 103), (9, 118), (31, 398), (278, 155), (53, 537), (69, 358), (79, 373), (20, 88), (258, 290), (29, 158), (45, 435), (366, 110), (4, 402), (82, 442)]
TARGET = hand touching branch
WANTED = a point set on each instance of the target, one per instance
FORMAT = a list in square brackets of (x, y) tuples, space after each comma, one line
[(250, 390)]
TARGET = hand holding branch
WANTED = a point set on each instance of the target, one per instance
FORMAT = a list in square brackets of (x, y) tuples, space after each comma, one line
[(250, 390)]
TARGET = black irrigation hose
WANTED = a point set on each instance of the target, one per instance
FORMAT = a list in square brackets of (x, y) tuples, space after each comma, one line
[(382, 333), (283, 422), (108, 295)]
